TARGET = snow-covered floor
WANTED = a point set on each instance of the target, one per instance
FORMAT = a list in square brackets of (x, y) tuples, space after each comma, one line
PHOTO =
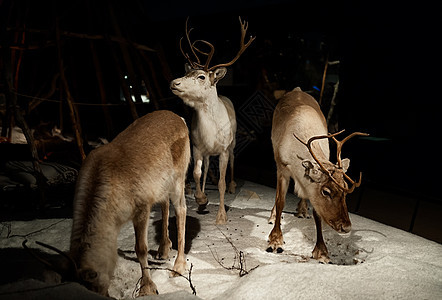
[(374, 261)]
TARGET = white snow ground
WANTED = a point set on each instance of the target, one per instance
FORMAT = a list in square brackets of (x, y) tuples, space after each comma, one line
[(374, 261)]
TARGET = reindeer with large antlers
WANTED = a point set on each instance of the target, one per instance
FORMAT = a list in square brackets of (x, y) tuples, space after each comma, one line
[(301, 149), (214, 123)]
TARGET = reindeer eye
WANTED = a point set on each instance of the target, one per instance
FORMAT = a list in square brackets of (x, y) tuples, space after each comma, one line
[(202, 77), (326, 192)]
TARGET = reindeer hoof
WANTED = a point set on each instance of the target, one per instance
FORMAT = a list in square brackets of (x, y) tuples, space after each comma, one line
[(276, 242), (179, 268), (176, 273), (161, 256), (321, 254), (221, 216), (202, 207), (148, 289), (221, 220), (201, 199), (232, 187), (303, 215), (278, 250), (163, 251)]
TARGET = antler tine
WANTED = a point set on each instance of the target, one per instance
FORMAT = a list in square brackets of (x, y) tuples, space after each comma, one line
[(331, 135), (193, 64), (243, 47), (340, 143), (186, 56), (309, 147), (353, 184), (47, 263), (338, 153), (209, 55)]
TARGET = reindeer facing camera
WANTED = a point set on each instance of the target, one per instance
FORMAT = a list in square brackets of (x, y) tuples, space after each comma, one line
[(213, 127)]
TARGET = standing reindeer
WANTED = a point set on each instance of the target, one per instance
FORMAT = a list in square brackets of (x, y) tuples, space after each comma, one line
[(297, 123), (213, 127), (144, 165)]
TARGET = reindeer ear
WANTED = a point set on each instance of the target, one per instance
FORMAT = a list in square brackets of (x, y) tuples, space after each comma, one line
[(312, 170), (218, 74), (307, 164), (345, 164), (187, 68)]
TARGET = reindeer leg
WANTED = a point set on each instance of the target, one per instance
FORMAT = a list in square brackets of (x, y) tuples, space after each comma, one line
[(275, 238), (206, 164), (232, 184), (272, 217), (200, 197), (165, 244), (320, 251), (179, 202), (302, 211), (221, 217), (141, 222)]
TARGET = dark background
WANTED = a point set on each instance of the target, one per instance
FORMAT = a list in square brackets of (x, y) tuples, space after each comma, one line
[(389, 76)]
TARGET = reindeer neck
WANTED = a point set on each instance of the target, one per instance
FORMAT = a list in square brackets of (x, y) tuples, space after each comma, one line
[(93, 233), (212, 108)]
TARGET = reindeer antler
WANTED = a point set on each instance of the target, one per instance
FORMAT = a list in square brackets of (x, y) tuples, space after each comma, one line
[(243, 47), (197, 64), (338, 154), (193, 64), (73, 270), (339, 148)]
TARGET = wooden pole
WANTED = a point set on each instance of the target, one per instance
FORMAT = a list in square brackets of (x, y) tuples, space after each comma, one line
[(49, 43), (21, 122), (99, 74), (152, 95), (72, 111), (324, 74), (123, 84), (40, 96), (153, 74), (126, 56)]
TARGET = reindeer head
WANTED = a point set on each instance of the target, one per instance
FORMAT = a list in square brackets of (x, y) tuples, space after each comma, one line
[(197, 85), (70, 271), (200, 80), (95, 281), (329, 188)]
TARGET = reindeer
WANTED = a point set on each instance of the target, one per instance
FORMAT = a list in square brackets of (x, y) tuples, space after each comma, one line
[(213, 126), (144, 165), (297, 118)]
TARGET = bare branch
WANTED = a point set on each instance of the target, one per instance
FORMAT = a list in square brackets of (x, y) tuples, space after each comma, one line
[(188, 278), (239, 255)]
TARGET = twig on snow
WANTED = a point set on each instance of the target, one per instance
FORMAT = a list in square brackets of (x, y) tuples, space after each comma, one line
[(6, 225), (188, 278), (34, 232), (239, 256)]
